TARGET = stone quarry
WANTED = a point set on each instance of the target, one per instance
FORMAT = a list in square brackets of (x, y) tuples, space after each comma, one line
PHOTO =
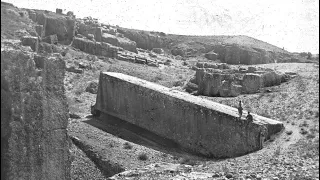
[(34, 110), (198, 125)]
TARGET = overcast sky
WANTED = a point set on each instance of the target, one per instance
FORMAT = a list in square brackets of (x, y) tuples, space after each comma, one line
[(292, 24)]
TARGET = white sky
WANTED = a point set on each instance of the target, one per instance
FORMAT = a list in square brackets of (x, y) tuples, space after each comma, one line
[(292, 24)]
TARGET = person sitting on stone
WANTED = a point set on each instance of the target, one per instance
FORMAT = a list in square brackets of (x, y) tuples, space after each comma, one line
[(240, 109), (249, 118)]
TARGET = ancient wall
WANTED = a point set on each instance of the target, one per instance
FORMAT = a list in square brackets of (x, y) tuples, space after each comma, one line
[(196, 124), (34, 117)]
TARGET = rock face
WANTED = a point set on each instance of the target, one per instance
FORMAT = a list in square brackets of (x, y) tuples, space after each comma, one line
[(62, 26), (158, 50), (144, 40), (51, 39), (31, 41), (121, 42), (233, 54), (252, 83), (211, 55), (34, 117), (95, 48), (272, 78), (39, 30), (59, 11)]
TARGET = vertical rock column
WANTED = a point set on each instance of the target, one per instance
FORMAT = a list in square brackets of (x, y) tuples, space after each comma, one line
[(34, 117)]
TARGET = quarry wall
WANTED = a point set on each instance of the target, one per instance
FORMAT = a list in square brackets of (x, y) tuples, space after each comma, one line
[(34, 116), (199, 125)]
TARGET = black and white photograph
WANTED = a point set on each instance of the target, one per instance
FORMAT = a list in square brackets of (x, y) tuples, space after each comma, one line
[(159, 90)]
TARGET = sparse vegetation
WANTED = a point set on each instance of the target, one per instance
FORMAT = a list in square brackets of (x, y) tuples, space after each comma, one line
[(127, 145), (289, 132), (303, 131), (143, 156)]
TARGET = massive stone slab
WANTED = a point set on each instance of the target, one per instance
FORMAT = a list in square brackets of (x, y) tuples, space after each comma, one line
[(197, 124), (34, 116)]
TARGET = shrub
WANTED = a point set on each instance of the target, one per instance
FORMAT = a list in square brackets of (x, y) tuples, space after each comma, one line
[(142, 156), (303, 131), (289, 132), (127, 145)]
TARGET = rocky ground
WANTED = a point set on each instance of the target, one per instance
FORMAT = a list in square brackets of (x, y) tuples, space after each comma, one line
[(107, 146)]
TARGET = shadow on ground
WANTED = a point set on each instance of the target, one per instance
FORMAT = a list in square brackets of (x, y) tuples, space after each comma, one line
[(138, 135)]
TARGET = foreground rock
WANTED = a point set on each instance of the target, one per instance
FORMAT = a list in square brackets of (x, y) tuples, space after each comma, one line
[(34, 116)]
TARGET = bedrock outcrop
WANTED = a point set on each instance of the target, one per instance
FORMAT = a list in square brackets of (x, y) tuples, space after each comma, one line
[(34, 116)]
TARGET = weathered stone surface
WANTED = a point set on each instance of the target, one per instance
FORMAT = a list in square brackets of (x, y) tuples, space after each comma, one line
[(158, 50), (199, 75), (70, 13), (109, 38), (98, 34), (229, 89), (252, 69), (33, 16), (62, 26), (91, 37), (92, 87), (59, 11), (31, 41), (51, 39), (272, 78), (39, 30), (143, 40), (212, 83), (191, 87), (197, 124), (252, 83), (46, 47), (221, 66), (211, 55), (34, 117), (121, 42), (233, 54), (95, 48), (128, 44)]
